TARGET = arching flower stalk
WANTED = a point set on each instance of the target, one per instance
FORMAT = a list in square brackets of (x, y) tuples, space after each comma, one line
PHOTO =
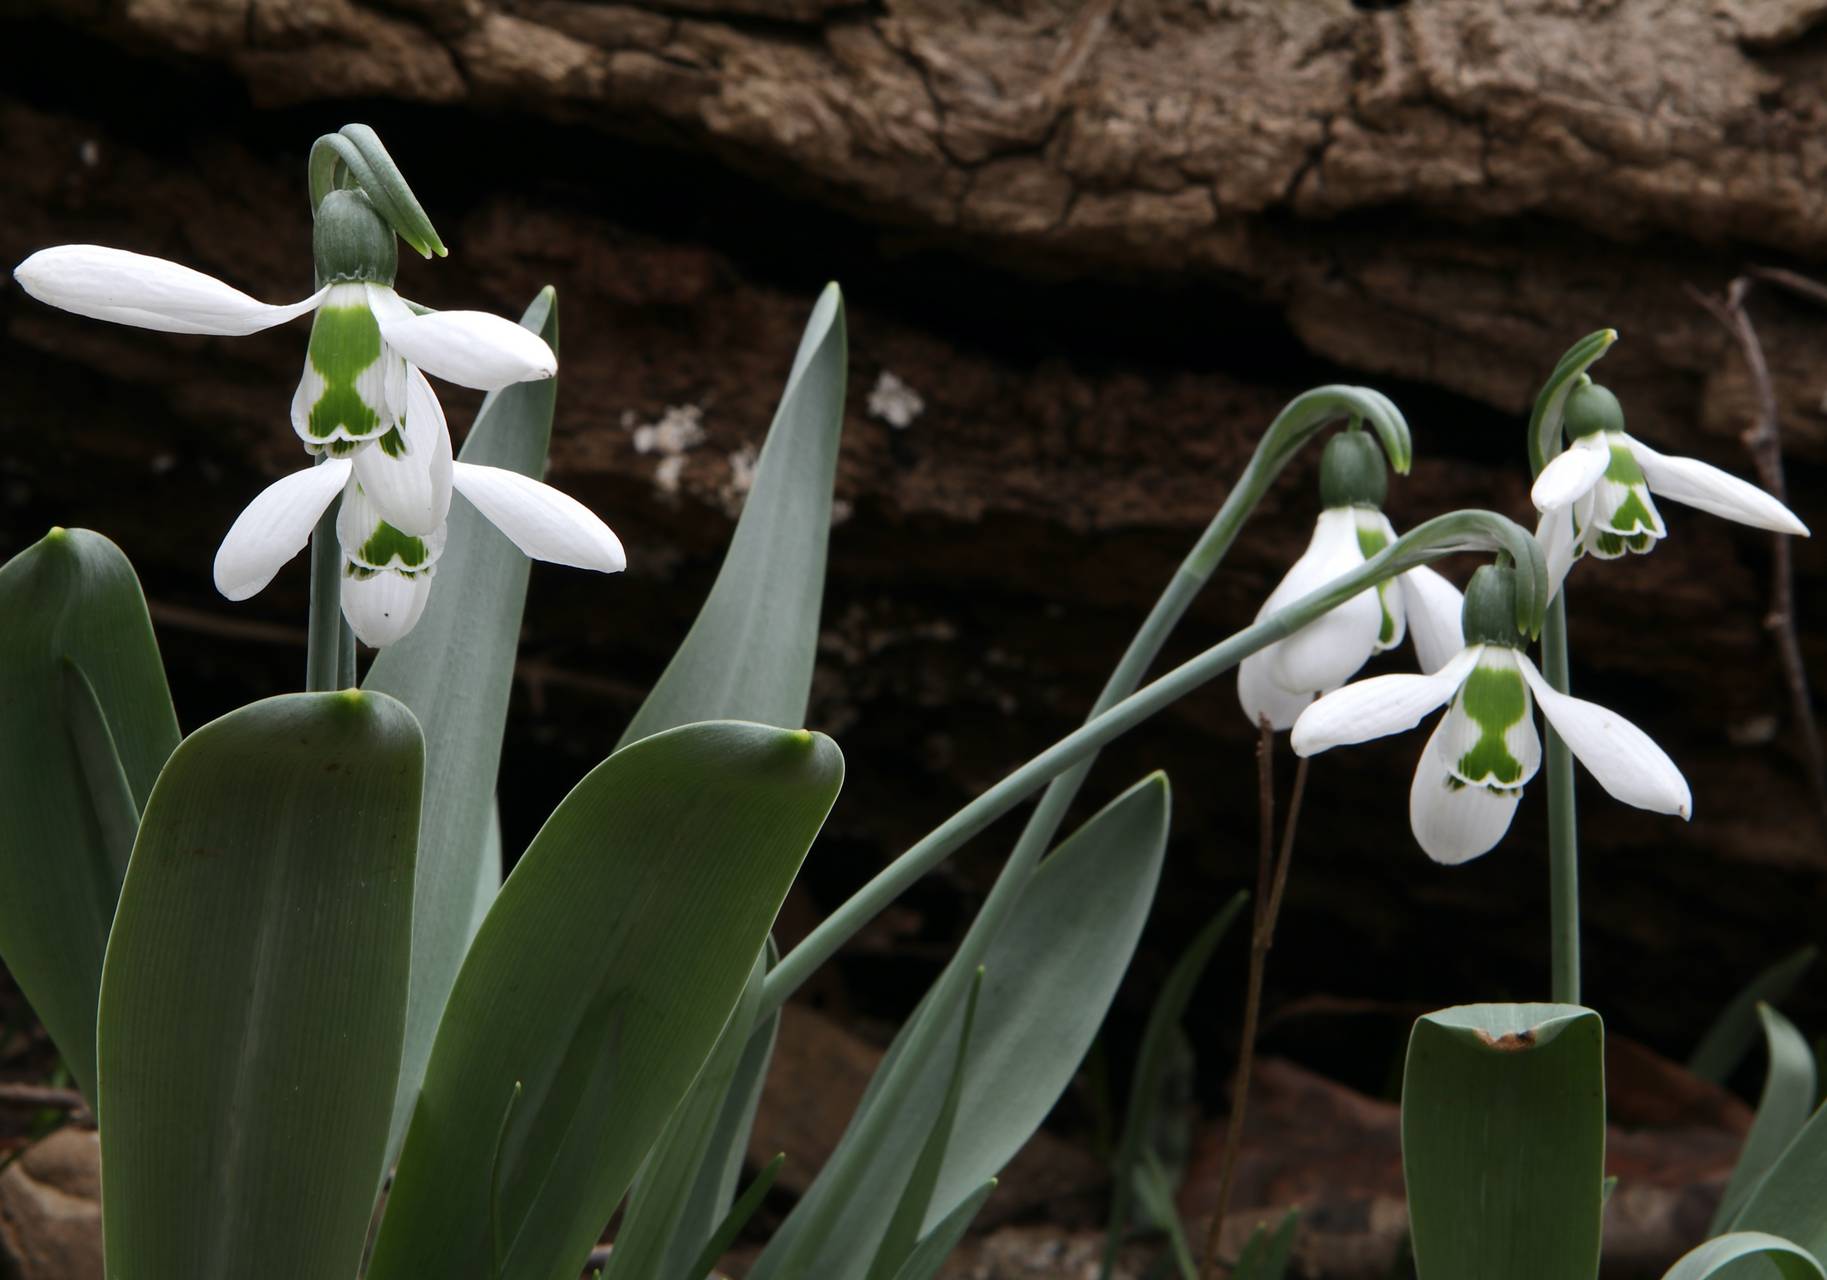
[(1595, 496), (1278, 682), (1485, 749)]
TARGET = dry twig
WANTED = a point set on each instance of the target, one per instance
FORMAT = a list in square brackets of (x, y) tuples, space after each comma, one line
[(1764, 440), (1271, 880)]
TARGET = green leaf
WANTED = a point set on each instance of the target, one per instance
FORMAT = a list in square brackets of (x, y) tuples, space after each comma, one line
[(85, 726), (1151, 1066), (937, 1245), (726, 1231), (1157, 1197), (1788, 1097), (749, 655), (661, 1196), (1734, 1031), (917, 1195), (1503, 1141), (254, 995), (1717, 1255), (708, 1204), (1051, 974), (1788, 1201), (601, 979), (456, 670), (1266, 1256)]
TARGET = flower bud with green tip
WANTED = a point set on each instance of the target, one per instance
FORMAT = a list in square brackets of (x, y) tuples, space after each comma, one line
[(1472, 771), (1278, 682), (1595, 496)]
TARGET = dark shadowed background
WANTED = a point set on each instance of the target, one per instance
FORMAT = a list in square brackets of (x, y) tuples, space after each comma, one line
[(1088, 251)]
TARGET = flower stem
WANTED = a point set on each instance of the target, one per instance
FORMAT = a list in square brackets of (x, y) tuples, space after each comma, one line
[(1460, 531), (1563, 824), (1293, 427), (324, 637)]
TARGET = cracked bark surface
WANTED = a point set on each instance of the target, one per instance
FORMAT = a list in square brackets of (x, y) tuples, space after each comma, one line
[(1103, 244)]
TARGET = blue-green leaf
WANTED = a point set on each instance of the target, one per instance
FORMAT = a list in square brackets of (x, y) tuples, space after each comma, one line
[(1151, 1067), (749, 655), (254, 996), (600, 981), (1788, 1097), (937, 1245), (1734, 1031), (1725, 1254), (1503, 1142), (1050, 976), (85, 725), (456, 670)]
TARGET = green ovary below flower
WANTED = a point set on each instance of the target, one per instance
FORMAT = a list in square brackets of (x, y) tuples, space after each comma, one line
[(1472, 771)]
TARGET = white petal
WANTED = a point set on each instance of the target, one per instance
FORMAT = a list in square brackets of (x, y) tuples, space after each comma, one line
[(1571, 473), (1377, 707), (1329, 650), (1452, 822), (1560, 546), (275, 527), (131, 288), (1262, 697), (1621, 756), (469, 348), (412, 490), (1435, 610), (541, 521), (1716, 492), (384, 607)]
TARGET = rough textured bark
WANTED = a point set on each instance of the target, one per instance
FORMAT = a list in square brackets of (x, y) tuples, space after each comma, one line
[(1102, 244)]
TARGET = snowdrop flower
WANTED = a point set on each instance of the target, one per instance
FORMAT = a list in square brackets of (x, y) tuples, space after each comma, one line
[(1474, 766), (1595, 496), (387, 572), (1277, 682), (354, 397)]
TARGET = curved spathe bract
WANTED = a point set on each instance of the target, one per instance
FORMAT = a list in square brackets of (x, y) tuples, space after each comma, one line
[(593, 994), (254, 993)]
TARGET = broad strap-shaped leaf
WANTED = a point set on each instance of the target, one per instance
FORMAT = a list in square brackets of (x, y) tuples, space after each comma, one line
[(1735, 1029), (937, 1245), (917, 1192), (1152, 1061), (1503, 1141), (254, 998), (1789, 1202), (85, 726), (1050, 976), (1733, 1254), (598, 985), (455, 670), (725, 1232), (749, 655), (1788, 1096), (661, 1196)]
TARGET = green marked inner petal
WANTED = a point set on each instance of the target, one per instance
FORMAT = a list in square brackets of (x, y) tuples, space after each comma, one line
[(345, 344), (1371, 540), (386, 543), (1495, 699)]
